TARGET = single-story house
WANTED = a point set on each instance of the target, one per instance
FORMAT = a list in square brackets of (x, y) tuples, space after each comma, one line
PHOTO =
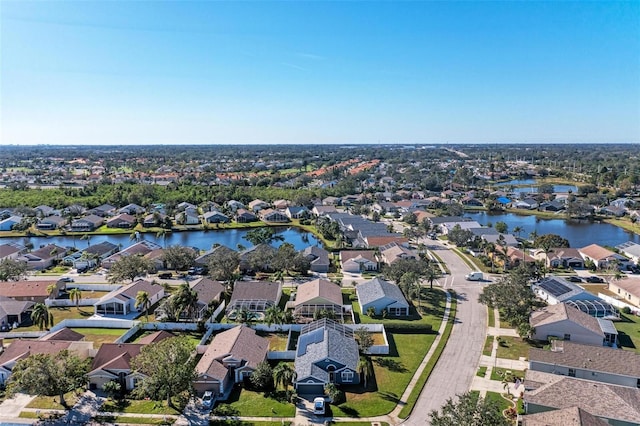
[(132, 209), (11, 251), (123, 220), (93, 255), (8, 223), (13, 311), (254, 296), (230, 358), (51, 222), (566, 416), (561, 257), (393, 252), (317, 295), (327, 353), (44, 210), (380, 295), (601, 256), (43, 257), (631, 250), (64, 333), (122, 301), (568, 323), (627, 289), (209, 291), (271, 215), (215, 217), (297, 212), (257, 205), (235, 205), (245, 216), (281, 204), (356, 261), (140, 248), (153, 219), (103, 210), (187, 217), (87, 223), (318, 257), (319, 210), (33, 291)]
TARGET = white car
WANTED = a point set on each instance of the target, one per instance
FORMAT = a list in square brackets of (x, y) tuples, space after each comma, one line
[(207, 399), (318, 406)]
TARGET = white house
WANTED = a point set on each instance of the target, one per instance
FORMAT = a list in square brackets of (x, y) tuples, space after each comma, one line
[(380, 295)]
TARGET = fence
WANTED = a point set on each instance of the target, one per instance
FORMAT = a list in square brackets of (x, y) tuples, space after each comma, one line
[(95, 287), (374, 328), (619, 303), (66, 302), (216, 314), (94, 323)]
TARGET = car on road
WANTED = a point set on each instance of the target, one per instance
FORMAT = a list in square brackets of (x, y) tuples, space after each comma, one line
[(66, 279), (594, 279), (474, 276), (207, 399), (573, 279), (165, 275), (319, 406)]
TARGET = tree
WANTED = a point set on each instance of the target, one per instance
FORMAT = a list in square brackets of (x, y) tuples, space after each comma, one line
[(550, 240), (41, 316), (223, 263), (262, 236), (431, 275), (460, 237), (11, 270), (517, 230), (168, 368), (284, 258), (262, 376), (49, 375), (334, 393), (469, 410), (410, 284), (273, 315), (186, 300), (143, 302), (245, 316), (179, 257), (365, 368), (364, 339), (51, 288), (397, 269), (75, 295), (284, 374), (113, 389), (129, 267), (501, 227)]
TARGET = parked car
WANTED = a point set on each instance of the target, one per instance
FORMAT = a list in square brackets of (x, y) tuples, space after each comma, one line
[(207, 399), (165, 275), (318, 406), (574, 279), (594, 279), (474, 276), (66, 279)]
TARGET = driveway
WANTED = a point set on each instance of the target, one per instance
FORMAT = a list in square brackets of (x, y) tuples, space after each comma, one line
[(11, 407), (458, 364)]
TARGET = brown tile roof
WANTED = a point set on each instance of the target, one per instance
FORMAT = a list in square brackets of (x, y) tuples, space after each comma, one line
[(318, 288), (25, 288), (64, 334), (573, 416), (352, 254), (7, 250), (255, 290), (381, 241), (629, 284), (561, 311), (241, 343), (596, 251), (604, 400), (46, 251), (155, 337), (592, 358), (20, 349), (208, 290), (115, 356)]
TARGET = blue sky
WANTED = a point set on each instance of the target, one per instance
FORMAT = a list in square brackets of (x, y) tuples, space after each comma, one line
[(144, 72)]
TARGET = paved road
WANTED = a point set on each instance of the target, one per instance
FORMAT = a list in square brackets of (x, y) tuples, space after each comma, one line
[(459, 361)]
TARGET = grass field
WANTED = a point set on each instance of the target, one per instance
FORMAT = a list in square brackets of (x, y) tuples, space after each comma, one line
[(482, 371), (63, 313), (53, 402), (251, 403), (138, 406), (492, 317), (497, 397), (516, 347), (498, 373), (488, 346), (629, 332), (100, 335)]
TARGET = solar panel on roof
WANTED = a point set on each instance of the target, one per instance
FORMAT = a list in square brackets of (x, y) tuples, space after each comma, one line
[(555, 288)]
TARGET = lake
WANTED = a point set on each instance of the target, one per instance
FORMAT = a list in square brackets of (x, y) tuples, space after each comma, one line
[(200, 239), (579, 233)]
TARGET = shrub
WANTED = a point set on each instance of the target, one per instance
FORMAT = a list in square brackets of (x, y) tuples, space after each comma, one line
[(626, 310)]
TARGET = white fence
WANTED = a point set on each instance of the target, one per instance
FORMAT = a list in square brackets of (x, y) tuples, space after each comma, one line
[(67, 302), (281, 355), (23, 335), (217, 312), (619, 303), (95, 287), (94, 323), (374, 328)]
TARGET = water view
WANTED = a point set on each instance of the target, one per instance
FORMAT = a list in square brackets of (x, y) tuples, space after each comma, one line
[(200, 239), (580, 233)]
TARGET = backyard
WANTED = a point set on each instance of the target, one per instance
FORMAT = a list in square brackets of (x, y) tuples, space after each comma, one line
[(629, 332)]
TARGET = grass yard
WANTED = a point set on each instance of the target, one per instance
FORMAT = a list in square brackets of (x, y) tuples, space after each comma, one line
[(53, 402), (488, 346), (143, 406), (482, 371), (391, 377), (516, 347), (251, 403), (498, 373), (497, 397), (277, 341), (629, 332), (101, 335), (63, 313), (193, 336), (492, 317), (241, 423)]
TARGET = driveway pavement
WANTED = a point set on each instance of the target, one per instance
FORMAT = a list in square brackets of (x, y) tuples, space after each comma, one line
[(10, 408)]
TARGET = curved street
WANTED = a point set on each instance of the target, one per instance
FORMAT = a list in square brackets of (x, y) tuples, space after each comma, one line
[(458, 364)]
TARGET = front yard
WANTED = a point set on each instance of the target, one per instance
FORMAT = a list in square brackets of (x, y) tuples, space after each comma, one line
[(516, 347)]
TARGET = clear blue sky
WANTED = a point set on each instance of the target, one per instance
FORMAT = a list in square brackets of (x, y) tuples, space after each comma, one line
[(143, 72)]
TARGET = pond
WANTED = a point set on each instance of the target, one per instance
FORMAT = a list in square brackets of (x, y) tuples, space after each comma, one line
[(580, 233), (203, 240)]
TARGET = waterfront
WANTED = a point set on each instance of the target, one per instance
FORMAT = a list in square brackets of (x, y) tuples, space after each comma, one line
[(580, 233), (203, 240)]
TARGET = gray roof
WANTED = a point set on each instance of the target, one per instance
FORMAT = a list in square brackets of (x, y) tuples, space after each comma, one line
[(317, 255), (10, 306), (325, 339), (574, 416), (101, 249), (630, 247), (560, 312), (255, 290), (376, 289), (559, 288), (593, 358)]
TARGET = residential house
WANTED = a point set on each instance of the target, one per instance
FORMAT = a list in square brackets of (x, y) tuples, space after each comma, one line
[(327, 352), (230, 358), (245, 216), (357, 261), (123, 300), (154, 219), (11, 251), (627, 289), (104, 210), (87, 224), (247, 265), (631, 250), (445, 227), (32, 291), (113, 362), (123, 220), (20, 349), (209, 293), (140, 248), (187, 217), (64, 333), (595, 363), (257, 205), (203, 259), (234, 205), (471, 202), (331, 201), (617, 405), (551, 206), (281, 204), (215, 217), (319, 210), (374, 241), (561, 257), (574, 416), (381, 295), (297, 212), (185, 206), (602, 257), (8, 223), (568, 323), (515, 257), (270, 215), (132, 209), (13, 311), (318, 258), (392, 252), (317, 295), (43, 257), (93, 255), (44, 211), (613, 211), (50, 223), (526, 204), (254, 296)]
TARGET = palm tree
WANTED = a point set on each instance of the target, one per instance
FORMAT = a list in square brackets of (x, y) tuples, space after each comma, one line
[(517, 230), (41, 316), (431, 275), (186, 300), (365, 368), (283, 374), (162, 233), (278, 276), (143, 302), (75, 294), (245, 316), (51, 288), (86, 237), (273, 315)]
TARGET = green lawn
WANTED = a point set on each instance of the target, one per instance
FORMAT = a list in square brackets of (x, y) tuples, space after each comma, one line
[(52, 402), (629, 332), (277, 341), (492, 317), (251, 403), (59, 314), (482, 371), (516, 347), (100, 335), (498, 373), (241, 423), (143, 406), (488, 346), (497, 397), (134, 420), (193, 336)]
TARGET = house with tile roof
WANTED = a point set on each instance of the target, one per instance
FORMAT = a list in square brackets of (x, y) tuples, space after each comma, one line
[(357, 261), (13, 311), (572, 416), (380, 295), (599, 364), (318, 258), (327, 352), (209, 292), (33, 291), (601, 256), (392, 252), (11, 251), (254, 296), (64, 334), (627, 289), (568, 323), (43, 257), (231, 357), (122, 301), (316, 295)]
